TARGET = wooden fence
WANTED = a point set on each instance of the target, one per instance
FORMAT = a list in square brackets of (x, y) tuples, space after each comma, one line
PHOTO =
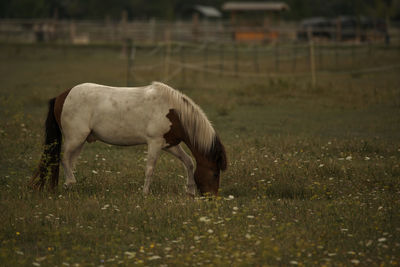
[(153, 31), (187, 61)]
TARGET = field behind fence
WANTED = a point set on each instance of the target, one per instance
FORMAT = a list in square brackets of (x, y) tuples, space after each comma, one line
[(188, 61)]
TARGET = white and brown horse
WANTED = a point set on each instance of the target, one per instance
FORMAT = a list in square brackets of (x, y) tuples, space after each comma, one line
[(156, 115)]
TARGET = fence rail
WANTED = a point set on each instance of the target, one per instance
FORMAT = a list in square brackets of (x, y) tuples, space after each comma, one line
[(181, 60)]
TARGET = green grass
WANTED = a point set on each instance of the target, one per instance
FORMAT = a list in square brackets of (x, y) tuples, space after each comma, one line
[(313, 176)]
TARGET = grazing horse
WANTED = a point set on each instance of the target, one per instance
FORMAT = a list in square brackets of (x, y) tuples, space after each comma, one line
[(156, 115)]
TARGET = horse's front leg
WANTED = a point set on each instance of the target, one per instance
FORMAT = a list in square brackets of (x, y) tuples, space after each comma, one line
[(178, 152), (153, 152)]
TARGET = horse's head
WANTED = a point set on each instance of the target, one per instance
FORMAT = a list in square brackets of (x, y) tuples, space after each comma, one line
[(207, 174), (207, 179)]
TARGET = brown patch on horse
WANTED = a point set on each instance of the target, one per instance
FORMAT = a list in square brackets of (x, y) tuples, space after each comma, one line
[(176, 133), (58, 106)]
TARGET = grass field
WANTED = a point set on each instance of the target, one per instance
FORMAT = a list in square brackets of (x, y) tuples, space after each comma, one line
[(313, 175)]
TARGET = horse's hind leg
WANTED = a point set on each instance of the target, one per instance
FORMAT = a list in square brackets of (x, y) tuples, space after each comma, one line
[(75, 155), (153, 152), (178, 152), (72, 148)]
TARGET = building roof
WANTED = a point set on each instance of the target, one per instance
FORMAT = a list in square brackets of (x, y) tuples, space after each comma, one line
[(255, 6), (208, 11)]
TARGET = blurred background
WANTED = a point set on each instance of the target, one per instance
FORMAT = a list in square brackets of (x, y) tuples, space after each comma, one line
[(104, 21), (226, 38)]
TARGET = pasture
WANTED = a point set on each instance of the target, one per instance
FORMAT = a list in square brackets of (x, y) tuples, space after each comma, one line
[(313, 175)]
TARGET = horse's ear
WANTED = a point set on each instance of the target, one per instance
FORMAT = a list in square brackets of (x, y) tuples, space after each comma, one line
[(220, 154)]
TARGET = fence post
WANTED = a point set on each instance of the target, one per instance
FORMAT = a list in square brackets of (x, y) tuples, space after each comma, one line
[(236, 60), (312, 59), (320, 54), (167, 53), (256, 65), (336, 48), (294, 63), (205, 58), (276, 57), (182, 56)]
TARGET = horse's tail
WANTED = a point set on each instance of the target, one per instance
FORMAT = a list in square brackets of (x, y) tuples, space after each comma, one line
[(49, 165)]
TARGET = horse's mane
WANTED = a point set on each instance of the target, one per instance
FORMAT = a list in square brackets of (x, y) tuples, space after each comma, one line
[(194, 121)]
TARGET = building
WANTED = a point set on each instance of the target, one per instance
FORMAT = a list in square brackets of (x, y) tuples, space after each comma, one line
[(254, 21)]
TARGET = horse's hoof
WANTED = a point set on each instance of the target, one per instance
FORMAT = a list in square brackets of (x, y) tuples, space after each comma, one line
[(190, 195), (67, 186), (190, 191)]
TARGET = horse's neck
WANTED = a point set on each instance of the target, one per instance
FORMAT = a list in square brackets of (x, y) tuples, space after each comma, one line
[(200, 157), (178, 134)]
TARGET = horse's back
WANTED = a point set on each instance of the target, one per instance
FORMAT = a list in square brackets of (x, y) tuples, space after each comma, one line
[(117, 115)]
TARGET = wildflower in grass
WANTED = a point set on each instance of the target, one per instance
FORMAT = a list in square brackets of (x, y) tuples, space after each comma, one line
[(155, 257), (349, 158), (204, 219), (355, 261), (321, 165), (367, 158), (382, 239), (210, 231), (41, 259), (130, 254), (35, 263), (294, 262), (94, 171), (17, 233)]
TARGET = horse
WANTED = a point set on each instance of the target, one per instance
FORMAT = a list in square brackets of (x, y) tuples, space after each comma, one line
[(156, 115)]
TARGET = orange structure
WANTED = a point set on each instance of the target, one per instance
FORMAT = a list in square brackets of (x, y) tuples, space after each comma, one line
[(252, 21)]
